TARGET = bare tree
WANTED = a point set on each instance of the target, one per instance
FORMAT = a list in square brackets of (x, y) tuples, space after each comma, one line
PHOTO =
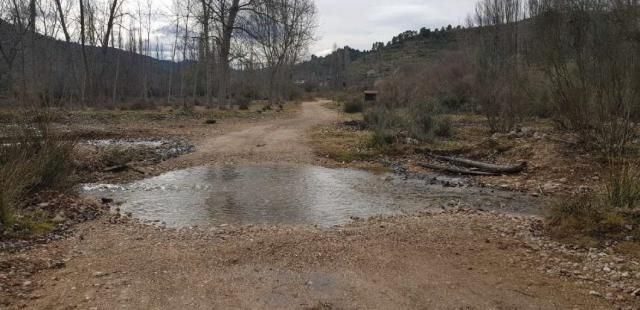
[(176, 7), (110, 20), (63, 21), (83, 43), (284, 30), (226, 13), (205, 39), (499, 88), (589, 50)]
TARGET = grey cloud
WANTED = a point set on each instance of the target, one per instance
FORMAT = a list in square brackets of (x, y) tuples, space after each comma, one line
[(359, 23)]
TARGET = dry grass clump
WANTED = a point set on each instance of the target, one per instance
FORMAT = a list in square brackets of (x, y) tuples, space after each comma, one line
[(612, 213), (34, 160)]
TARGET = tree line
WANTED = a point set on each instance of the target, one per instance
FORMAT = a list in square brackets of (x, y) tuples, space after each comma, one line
[(87, 51), (575, 62), (579, 58)]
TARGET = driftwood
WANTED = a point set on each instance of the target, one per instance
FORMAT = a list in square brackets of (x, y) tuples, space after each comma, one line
[(456, 170), (121, 168), (491, 168)]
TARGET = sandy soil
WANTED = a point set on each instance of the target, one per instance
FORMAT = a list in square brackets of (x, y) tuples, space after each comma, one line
[(459, 260), (280, 140), (433, 262)]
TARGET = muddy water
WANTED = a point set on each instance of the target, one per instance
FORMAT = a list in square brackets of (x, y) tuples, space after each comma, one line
[(290, 195)]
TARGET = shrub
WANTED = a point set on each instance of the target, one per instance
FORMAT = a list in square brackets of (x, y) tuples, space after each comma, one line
[(622, 188), (570, 215), (603, 214), (591, 61), (382, 118), (444, 127), (381, 139), (353, 106), (243, 104), (418, 120), (36, 160)]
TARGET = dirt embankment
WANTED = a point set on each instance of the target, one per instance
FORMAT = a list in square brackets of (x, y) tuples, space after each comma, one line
[(452, 260)]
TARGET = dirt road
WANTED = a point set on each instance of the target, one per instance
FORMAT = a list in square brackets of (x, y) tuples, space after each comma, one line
[(460, 260), (280, 140)]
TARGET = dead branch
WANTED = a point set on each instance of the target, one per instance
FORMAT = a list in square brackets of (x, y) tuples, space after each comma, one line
[(122, 168), (456, 170), (496, 169)]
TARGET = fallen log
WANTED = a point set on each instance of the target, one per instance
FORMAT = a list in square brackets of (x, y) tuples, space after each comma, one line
[(122, 168), (456, 170), (496, 169)]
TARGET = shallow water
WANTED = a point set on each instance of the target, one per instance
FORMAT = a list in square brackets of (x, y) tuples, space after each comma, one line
[(125, 143), (290, 195), (161, 149)]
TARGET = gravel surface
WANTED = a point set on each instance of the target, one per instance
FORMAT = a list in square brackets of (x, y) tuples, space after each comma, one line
[(457, 259)]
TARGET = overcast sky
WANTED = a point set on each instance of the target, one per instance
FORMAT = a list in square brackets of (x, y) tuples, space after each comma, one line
[(359, 23)]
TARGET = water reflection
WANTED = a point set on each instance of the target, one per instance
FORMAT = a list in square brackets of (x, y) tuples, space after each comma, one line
[(286, 195)]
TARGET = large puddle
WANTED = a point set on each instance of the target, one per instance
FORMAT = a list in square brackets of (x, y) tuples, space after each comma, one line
[(290, 195)]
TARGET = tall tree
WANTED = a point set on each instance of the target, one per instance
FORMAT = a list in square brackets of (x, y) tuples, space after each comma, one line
[(226, 13), (63, 21), (284, 29)]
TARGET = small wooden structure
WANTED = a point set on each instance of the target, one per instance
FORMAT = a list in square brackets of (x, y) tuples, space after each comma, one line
[(370, 96)]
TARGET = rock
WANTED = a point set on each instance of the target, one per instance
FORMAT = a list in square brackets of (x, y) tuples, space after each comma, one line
[(106, 200), (527, 132), (549, 186), (56, 264), (59, 218), (539, 136), (411, 141), (26, 283), (594, 293), (99, 274)]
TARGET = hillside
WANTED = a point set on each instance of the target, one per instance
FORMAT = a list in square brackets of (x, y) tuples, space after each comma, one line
[(349, 67), (53, 70)]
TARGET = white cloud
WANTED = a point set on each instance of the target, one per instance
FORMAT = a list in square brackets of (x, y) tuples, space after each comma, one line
[(359, 23)]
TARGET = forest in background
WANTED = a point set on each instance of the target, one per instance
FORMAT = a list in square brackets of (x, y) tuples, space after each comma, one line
[(57, 52)]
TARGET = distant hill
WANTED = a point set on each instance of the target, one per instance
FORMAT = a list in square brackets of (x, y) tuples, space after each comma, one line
[(52, 69), (347, 67)]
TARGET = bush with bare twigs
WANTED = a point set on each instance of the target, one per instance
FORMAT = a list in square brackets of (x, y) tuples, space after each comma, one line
[(34, 159), (608, 213)]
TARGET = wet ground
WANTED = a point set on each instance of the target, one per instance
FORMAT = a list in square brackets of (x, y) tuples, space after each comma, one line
[(292, 194), (152, 149), (459, 259)]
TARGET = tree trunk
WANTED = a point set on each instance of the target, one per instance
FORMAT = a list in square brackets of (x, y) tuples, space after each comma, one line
[(84, 53), (63, 22), (223, 85), (482, 166), (225, 52), (455, 170)]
